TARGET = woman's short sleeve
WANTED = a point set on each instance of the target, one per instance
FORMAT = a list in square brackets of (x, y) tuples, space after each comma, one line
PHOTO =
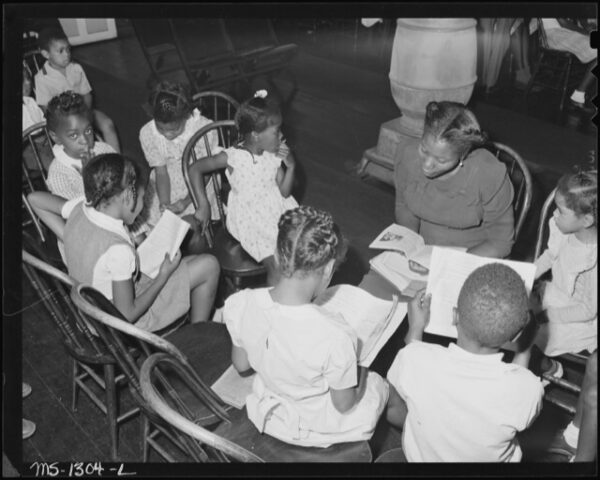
[(120, 262), (341, 368)]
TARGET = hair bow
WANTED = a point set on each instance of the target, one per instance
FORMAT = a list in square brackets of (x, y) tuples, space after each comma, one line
[(260, 94)]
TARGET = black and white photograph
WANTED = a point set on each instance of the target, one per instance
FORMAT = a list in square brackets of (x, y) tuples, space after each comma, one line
[(208, 260)]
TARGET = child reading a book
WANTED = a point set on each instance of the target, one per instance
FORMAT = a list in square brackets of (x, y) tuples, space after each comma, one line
[(260, 185), (463, 403), (60, 74), (100, 252), (163, 139), (569, 301), (308, 389)]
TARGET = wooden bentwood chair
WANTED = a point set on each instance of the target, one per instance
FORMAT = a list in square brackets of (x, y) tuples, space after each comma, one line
[(216, 105), (235, 262), (94, 368)]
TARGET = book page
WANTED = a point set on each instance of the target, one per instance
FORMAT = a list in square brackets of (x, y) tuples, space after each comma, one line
[(449, 270), (232, 388), (399, 238), (366, 314), (165, 237)]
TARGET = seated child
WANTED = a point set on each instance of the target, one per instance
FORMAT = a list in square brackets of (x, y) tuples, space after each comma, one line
[(163, 141), (308, 389), (32, 115), (60, 74), (464, 403), (261, 186), (569, 302), (100, 252)]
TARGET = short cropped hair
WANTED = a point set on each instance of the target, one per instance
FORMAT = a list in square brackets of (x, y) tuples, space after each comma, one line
[(580, 191), (307, 240), (50, 34), (493, 304)]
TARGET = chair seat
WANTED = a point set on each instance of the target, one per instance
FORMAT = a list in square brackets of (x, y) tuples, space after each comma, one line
[(243, 432), (232, 257)]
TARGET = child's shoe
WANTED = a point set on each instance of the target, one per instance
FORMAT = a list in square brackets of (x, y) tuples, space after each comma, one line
[(28, 428), (26, 389), (556, 370)]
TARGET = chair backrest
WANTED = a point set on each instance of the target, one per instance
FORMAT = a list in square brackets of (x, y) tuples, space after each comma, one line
[(542, 232), (201, 444), (542, 39), (216, 105), (36, 138), (228, 136), (118, 336), (52, 285), (520, 178)]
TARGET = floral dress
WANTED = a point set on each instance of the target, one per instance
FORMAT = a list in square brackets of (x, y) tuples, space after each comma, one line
[(162, 152), (255, 202)]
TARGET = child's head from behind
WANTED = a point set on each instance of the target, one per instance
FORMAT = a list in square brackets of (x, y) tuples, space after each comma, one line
[(55, 47), (577, 201), (308, 243), (492, 305), (258, 121), (111, 177), (171, 106), (69, 121)]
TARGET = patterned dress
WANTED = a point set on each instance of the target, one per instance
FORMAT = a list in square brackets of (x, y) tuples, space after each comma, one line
[(255, 202)]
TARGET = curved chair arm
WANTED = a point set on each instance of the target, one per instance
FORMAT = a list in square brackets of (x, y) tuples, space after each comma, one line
[(539, 244), (179, 421), (49, 269)]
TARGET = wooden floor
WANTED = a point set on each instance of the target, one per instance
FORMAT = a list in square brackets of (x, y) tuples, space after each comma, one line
[(333, 118)]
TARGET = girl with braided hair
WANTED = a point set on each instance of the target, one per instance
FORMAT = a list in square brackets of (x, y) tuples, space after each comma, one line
[(450, 190), (100, 252), (163, 141), (260, 170), (568, 303), (308, 389)]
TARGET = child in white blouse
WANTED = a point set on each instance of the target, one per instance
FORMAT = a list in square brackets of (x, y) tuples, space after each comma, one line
[(568, 303), (308, 389), (163, 140)]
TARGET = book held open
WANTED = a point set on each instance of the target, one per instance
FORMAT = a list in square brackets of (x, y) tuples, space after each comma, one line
[(165, 237)]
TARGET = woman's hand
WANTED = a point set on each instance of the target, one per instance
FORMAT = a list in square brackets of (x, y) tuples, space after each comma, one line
[(168, 266), (418, 315)]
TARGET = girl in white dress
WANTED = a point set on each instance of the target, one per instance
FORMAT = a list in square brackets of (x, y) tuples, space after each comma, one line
[(308, 389), (261, 172), (163, 141)]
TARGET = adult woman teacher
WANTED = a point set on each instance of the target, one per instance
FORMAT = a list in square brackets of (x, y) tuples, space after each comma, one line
[(450, 190)]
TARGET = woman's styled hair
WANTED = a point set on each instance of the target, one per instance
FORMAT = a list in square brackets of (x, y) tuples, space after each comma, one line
[(454, 124), (63, 105), (307, 240), (108, 175), (580, 191), (170, 102), (493, 305), (257, 114)]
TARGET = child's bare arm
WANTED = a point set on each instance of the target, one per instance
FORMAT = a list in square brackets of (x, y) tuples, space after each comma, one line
[(196, 173), (163, 186), (418, 316), (48, 208), (343, 400), (239, 358), (133, 307), (285, 176)]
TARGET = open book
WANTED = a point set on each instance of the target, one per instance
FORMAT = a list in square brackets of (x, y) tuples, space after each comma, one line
[(165, 237), (410, 244), (374, 320), (233, 388), (449, 270)]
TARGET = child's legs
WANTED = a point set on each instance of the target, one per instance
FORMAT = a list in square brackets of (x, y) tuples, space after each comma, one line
[(107, 128), (204, 279), (589, 388), (272, 272), (586, 417)]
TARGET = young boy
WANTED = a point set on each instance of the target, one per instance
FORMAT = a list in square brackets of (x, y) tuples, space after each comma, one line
[(463, 404), (60, 74)]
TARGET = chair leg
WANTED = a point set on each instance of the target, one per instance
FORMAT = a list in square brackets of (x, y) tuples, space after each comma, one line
[(145, 432), (111, 408), (565, 86), (75, 389)]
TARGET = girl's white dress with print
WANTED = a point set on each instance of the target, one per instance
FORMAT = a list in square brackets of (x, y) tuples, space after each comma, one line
[(162, 152), (255, 202)]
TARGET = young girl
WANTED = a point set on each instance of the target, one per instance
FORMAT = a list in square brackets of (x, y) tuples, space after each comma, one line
[(569, 301), (163, 141), (308, 389), (69, 122), (260, 186), (100, 252)]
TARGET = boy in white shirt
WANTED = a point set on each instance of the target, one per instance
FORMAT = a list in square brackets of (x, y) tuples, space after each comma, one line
[(462, 403), (60, 74)]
